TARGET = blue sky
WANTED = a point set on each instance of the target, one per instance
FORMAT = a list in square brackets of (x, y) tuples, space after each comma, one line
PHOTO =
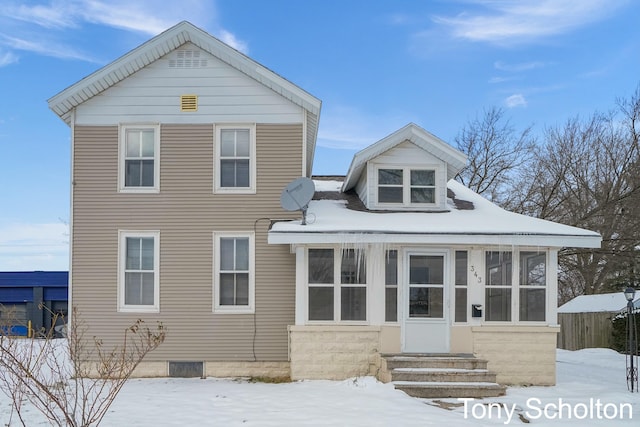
[(376, 65)]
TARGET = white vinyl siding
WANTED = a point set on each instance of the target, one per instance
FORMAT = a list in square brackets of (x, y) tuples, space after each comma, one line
[(234, 267), (139, 163), (138, 279), (225, 95)]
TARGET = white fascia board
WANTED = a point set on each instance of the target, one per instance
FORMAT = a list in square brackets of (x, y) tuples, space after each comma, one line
[(542, 240)]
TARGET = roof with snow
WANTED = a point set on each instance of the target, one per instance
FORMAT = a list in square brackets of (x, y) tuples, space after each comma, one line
[(613, 303), (332, 221)]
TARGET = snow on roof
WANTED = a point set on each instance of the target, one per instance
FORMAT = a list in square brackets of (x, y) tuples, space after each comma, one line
[(612, 302), (330, 221)]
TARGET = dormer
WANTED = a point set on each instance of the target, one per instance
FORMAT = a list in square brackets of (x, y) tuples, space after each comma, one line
[(406, 171)]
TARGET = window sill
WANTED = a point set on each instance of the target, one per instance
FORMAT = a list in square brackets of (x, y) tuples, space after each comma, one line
[(139, 309), (234, 191), (139, 190), (233, 310)]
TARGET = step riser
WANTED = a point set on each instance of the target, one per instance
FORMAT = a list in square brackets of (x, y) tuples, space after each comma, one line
[(463, 370), (437, 364), (431, 393), (466, 377)]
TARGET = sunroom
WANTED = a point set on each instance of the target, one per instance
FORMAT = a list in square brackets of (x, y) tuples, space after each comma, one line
[(459, 275)]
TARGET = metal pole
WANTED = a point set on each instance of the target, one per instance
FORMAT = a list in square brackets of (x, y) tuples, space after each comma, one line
[(631, 323)]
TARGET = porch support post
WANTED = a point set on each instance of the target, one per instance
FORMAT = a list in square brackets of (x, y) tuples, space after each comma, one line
[(301, 286)]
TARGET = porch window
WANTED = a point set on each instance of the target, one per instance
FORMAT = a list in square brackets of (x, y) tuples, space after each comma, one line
[(391, 286), (533, 280), (461, 286), (321, 284), (337, 285), (498, 286), (353, 291)]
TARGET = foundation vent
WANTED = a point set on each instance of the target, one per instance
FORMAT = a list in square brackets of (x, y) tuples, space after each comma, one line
[(187, 59), (189, 103)]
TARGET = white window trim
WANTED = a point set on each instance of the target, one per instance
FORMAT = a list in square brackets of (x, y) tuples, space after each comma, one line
[(233, 309), (122, 254), (217, 187), (337, 286), (122, 132), (406, 186)]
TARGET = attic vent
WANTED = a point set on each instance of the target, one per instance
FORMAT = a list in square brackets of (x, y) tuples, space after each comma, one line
[(189, 103), (187, 59)]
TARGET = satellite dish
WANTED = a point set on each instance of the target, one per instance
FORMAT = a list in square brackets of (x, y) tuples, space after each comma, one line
[(297, 195)]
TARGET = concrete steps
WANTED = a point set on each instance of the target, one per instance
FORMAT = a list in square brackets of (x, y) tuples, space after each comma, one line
[(442, 376)]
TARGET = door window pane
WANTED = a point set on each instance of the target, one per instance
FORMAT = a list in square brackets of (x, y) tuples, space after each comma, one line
[(426, 269), (426, 302)]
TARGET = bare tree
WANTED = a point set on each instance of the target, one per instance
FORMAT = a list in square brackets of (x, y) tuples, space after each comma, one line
[(495, 151), (71, 381), (586, 175)]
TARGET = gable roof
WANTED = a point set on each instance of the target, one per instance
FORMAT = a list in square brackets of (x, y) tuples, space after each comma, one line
[(612, 303), (64, 102), (414, 134)]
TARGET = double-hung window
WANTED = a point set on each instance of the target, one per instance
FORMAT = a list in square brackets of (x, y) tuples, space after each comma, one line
[(405, 187), (235, 159), (337, 285), (138, 289), (234, 272), (139, 169)]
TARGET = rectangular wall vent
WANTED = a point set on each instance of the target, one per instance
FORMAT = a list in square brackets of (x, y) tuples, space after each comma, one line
[(187, 59), (189, 103)]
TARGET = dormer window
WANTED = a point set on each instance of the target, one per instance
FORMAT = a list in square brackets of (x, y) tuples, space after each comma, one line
[(406, 186)]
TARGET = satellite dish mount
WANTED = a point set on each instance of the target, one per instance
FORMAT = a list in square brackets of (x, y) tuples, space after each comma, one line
[(297, 195)]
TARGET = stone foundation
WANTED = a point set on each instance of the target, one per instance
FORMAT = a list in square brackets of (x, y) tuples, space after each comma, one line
[(520, 355), (333, 352)]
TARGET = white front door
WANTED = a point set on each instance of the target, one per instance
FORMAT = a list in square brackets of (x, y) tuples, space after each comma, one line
[(425, 314)]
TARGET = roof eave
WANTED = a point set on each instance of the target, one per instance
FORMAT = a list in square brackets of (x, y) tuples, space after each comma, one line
[(542, 240)]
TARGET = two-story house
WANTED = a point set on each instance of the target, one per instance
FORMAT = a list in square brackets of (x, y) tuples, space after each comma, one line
[(180, 151)]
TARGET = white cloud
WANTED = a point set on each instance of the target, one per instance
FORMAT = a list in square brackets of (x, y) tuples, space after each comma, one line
[(7, 58), (518, 67), (511, 22), (515, 100), (233, 41), (63, 19), (45, 47), (34, 247)]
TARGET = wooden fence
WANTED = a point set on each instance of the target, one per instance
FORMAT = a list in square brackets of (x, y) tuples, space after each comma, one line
[(585, 330)]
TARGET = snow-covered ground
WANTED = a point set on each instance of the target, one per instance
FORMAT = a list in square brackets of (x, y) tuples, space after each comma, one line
[(591, 391)]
